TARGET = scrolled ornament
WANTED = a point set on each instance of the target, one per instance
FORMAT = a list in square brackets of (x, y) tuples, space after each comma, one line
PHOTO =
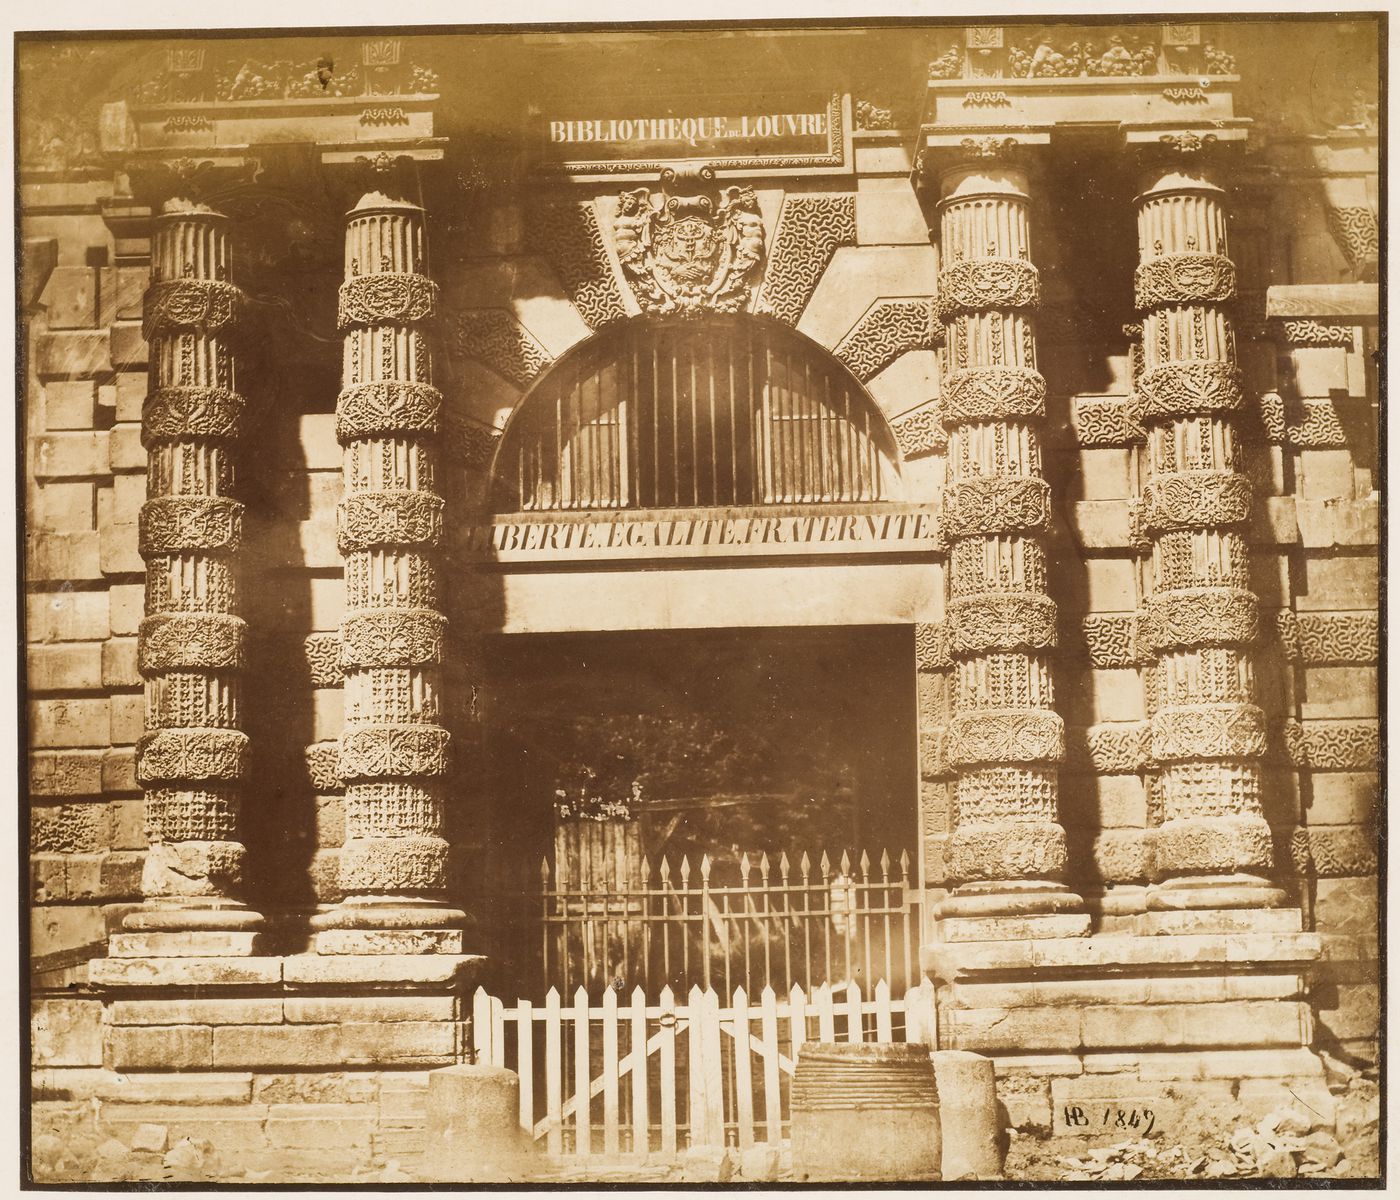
[(1187, 387), (1198, 731), (389, 518), (384, 751), (1184, 279), (204, 305), (1000, 736), (1001, 621), (996, 504), (172, 413), (1208, 616), (401, 864), (993, 393), (1193, 499), (386, 406), (174, 755), (179, 524), (386, 298), (983, 284), (392, 637), (190, 642), (931, 650)]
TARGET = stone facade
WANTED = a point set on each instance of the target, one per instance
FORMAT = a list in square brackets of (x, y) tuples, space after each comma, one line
[(1130, 377)]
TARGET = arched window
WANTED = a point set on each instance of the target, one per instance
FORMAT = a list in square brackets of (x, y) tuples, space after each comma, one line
[(699, 412)]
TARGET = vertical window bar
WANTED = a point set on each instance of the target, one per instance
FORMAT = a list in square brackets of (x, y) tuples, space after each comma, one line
[(733, 424), (715, 495)]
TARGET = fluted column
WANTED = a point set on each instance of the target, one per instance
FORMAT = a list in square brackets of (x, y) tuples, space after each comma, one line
[(1005, 740), (1213, 847), (191, 759), (393, 751)]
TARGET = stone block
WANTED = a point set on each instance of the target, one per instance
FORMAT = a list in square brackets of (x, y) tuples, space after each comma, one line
[(1245, 1023), (127, 603), (1024, 1101), (1327, 474), (389, 941), (1346, 906), (223, 1011), (195, 943), (308, 1087), (62, 556), (1143, 1026), (70, 298), (1100, 524), (231, 1130), (65, 1033), (319, 445), (372, 970), (70, 404), (186, 972), (1340, 582), (399, 1041), (473, 1127), (70, 455), (1261, 1064), (1328, 524), (997, 929), (58, 773), (131, 387), (888, 214), (1342, 798), (339, 1126), (121, 293), (317, 1010), (1187, 989), (1260, 1097), (118, 664), (67, 616), (1317, 371), (1218, 920), (125, 451), (119, 554), (69, 722), (119, 772), (990, 1030), (158, 1047), (128, 495), (128, 347), (105, 877), (67, 667), (1339, 692), (1355, 1014), (47, 878), (65, 507), (128, 718), (72, 354), (277, 1046)]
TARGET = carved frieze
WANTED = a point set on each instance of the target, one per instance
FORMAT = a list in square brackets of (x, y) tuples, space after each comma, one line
[(171, 755), (182, 815), (323, 768), (1207, 616), (810, 230), (1334, 745), (495, 337), (888, 329), (402, 518), (931, 649), (176, 524), (392, 637), (388, 407), (1184, 279), (1113, 748), (1187, 387), (382, 751), (1199, 731), (175, 412), (1305, 332), (994, 393), (1013, 736), (397, 864), (693, 251), (386, 298), (1334, 852), (1343, 638), (1187, 499), (190, 641), (202, 305), (1006, 504), (1357, 232), (1001, 621), (471, 442), (981, 284)]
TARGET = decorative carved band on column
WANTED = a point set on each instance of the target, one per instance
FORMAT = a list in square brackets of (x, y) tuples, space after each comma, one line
[(192, 758), (1213, 847), (1007, 850), (394, 749)]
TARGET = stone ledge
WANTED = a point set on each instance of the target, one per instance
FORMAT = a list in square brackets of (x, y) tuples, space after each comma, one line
[(339, 970), (1360, 301), (1121, 953)]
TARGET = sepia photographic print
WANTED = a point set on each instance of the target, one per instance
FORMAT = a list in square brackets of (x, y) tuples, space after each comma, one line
[(678, 602)]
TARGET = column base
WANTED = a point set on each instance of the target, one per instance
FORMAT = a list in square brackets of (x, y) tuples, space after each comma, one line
[(389, 926), (1011, 898), (192, 914), (1215, 892)]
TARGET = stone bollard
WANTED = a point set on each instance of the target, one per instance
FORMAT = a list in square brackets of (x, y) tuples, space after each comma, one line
[(967, 1094), (864, 1112), (473, 1132)]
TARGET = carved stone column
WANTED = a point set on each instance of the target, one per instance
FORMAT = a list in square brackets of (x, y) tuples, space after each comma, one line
[(1213, 848), (1005, 740), (192, 757), (393, 751)]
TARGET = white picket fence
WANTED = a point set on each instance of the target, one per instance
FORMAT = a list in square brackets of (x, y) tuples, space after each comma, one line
[(658, 1077)]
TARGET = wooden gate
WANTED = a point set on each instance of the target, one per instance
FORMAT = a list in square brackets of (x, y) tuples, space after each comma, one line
[(641, 1077)]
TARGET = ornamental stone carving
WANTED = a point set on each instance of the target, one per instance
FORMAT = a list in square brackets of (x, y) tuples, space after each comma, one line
[(392, 752), (495, 337), (1230, 731), (401, 863), (1304, 332), (1342, 639), (323, 768), (1189, 386), (387, 406), (1208, 616), (931, 649), (178, 816), (1111, 641), (920, 432), (980, 284), (887, 329), (174, 755), (1188, 499), (323, 659), (392, 637), (693, 252), (204, 305), (1106, 421), (1357, 232), (1336, 745), (190, 641), (993, 621), (386, 297), (1335, 852), (569, 236), (175, 524), (175, 412), (978, 736), (993, 393), (810, 230), (1184, 279), (1007, 503), (398, 518)]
